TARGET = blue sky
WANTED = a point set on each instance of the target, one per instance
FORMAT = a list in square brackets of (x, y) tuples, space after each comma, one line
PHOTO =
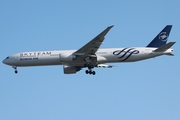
[(141, 90)]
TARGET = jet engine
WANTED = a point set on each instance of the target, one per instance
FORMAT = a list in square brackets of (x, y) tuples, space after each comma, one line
[(71, 69)]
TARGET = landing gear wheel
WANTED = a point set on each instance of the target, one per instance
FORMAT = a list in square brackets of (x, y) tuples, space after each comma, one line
[(93, 72), (16, 71), (90, 72), (87, 71), (90, 66)]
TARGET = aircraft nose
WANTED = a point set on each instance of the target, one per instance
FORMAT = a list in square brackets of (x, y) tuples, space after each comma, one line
[(4, 61), (10, 60)]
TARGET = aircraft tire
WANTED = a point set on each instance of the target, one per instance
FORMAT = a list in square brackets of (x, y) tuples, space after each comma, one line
[(16, 71)]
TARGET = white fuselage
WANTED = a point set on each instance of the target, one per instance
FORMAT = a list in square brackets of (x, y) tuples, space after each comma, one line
[(110, 55)]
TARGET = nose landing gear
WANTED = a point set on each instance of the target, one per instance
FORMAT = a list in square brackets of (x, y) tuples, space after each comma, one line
[(15, 69)]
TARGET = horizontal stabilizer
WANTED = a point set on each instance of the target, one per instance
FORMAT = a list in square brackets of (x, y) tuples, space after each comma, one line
[(170, 54), (164, 47)]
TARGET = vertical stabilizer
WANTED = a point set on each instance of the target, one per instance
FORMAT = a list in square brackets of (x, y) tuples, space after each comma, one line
[(161, 38)]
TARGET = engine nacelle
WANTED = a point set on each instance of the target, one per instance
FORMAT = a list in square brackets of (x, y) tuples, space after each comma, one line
[(66, 57), (71, 69)]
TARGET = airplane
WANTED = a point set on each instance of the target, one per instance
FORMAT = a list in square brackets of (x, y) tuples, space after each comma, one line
[(90, 56)]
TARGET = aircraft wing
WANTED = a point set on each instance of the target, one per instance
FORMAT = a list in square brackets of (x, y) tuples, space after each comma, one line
[(92, 46)]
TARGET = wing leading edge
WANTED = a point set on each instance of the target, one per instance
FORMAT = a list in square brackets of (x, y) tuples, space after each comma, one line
[(92, 46)]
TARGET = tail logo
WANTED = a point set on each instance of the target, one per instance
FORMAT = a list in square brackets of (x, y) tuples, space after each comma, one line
[(125, 53), (163, 36)]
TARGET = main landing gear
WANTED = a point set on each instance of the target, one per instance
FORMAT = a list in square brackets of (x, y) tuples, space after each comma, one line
[(90, 72), (15, 69), (90, 67)]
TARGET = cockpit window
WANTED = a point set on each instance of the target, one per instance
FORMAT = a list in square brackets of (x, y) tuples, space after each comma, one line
[(7, 58)]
